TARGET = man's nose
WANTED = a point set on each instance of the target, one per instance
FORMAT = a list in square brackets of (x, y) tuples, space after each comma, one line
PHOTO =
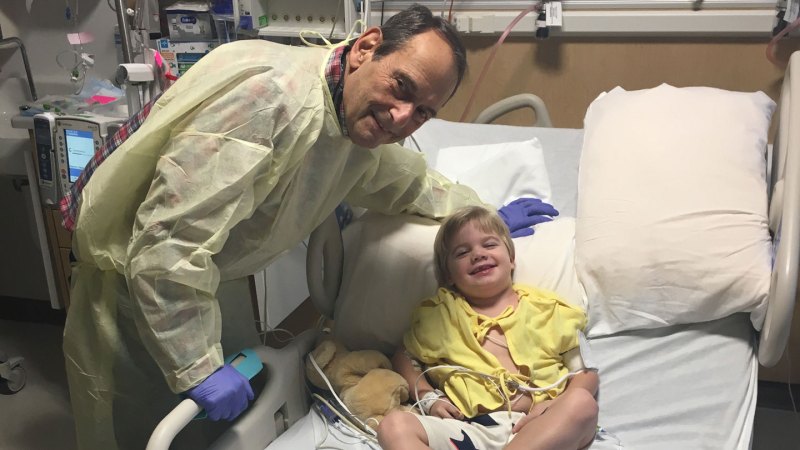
[(402, 114), (478, 255)]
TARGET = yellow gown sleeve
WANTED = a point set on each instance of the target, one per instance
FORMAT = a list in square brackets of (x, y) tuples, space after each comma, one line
[(426, 337), (220, 164), (400, 182), (569, 320)]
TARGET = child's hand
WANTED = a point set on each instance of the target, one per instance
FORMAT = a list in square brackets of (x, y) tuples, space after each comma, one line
[(446, 410)]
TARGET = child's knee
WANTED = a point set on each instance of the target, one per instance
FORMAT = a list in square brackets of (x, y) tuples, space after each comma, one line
[(584, 407), (397, 424)]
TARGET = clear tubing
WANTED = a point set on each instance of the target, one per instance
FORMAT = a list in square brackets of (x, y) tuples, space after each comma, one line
[(771, 46), (534, 7)]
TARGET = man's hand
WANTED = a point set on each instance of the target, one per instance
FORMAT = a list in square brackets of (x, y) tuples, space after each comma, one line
[(224, 394), (523, 213)]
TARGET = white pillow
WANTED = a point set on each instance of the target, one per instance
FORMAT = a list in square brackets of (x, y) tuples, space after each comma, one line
[(388, 270), (672, 207), (547, 260), (499, 173)]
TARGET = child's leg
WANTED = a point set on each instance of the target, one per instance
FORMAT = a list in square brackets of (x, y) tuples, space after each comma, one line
[(570, 422), (401, 430)]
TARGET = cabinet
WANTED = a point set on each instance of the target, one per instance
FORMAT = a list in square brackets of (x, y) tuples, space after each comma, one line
[(59, 242), (55, 241)]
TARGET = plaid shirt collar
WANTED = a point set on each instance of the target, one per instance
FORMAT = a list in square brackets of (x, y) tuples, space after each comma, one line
[(334, 76)]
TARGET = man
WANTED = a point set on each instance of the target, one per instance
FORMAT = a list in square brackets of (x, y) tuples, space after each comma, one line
[(237, 162)]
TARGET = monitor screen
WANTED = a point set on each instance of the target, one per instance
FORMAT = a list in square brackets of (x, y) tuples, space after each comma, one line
[(80, 149)]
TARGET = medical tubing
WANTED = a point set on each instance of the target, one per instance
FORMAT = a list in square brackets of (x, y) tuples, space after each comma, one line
[(328, 44), (328, 383), (341, 417), (789, 377), (318, 35), (426, 402), (491, 378), (535, 7), (774, 41), (345, 425), (325, 379), (506, 400), (335, 19), (348, 429), (318, 446)]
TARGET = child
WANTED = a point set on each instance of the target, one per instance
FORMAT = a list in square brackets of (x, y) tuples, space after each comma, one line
[(484, 324)]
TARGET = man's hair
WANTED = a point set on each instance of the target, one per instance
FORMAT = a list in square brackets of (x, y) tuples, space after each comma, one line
[(485, 220), (417, 19)]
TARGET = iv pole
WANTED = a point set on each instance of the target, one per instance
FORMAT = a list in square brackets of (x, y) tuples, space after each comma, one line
[(137, 77), (125, 37)]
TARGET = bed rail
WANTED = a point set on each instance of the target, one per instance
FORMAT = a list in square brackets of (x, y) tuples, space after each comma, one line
[(784, 220), (272, 413), (513, 103), (324, 261)]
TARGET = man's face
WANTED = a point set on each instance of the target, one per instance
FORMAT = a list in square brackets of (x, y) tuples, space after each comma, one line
[(386, 100)]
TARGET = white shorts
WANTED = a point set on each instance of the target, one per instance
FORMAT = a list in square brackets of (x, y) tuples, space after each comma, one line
[(484, 432)]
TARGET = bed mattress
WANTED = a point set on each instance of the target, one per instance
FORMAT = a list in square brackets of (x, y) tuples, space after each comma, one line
[(688, 386)]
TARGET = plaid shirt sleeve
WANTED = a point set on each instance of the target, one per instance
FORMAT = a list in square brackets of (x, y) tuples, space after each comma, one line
[(69, 203)]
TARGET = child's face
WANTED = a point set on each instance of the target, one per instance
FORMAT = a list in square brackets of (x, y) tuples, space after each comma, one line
[(478, 263)]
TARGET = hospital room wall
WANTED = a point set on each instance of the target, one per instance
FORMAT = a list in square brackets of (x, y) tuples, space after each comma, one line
[(43, 27), (568, 73)]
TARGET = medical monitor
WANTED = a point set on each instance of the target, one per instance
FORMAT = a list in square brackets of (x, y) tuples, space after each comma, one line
[(80, 149), (77, 140)]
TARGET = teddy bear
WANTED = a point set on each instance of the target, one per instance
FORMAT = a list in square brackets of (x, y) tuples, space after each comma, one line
[(363, 379)]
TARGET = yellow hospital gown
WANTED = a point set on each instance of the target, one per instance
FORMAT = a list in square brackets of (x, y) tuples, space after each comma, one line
[(445, 330), (238, 162)]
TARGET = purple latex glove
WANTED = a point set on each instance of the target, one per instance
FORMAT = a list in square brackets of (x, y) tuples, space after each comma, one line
[(224, 394), (523, 213)]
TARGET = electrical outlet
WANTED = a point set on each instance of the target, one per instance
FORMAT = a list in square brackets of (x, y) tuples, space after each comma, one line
[(245, 7), (455, 22)]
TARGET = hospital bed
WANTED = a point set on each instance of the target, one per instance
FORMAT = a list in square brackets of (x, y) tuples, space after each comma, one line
[(686, 385)]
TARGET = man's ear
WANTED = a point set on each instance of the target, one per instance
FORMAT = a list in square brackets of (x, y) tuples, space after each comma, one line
[(364, 47)]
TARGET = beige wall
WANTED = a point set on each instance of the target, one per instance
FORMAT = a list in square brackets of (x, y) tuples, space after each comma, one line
[(569, 73)]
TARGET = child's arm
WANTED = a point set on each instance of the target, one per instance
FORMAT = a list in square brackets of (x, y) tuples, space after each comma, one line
[(587, 379), (402, 364)]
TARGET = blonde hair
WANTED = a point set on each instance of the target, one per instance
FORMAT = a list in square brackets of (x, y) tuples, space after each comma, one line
[(485, 220)]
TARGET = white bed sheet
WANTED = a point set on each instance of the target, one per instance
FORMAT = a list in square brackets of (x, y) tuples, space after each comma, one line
[(688, 386), (683, 387)]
